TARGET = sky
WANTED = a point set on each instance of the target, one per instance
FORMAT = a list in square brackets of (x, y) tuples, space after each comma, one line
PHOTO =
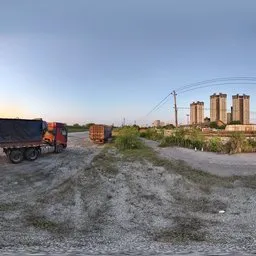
[(82, 61)]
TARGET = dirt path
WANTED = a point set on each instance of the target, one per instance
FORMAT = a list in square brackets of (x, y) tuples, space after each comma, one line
[(93, 199), (218, 164)]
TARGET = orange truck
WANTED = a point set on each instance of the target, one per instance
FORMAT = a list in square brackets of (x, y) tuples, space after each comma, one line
[(23, 138), (99, 133)]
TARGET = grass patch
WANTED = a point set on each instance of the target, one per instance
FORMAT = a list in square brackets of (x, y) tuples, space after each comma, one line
[(204, 179), (105, 162), (153, 134), (43, 223), (8, 207), (128, 138), (76, 129), (185, 230)]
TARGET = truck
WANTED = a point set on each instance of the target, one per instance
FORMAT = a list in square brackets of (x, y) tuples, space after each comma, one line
[(26, 139), (100, 133)]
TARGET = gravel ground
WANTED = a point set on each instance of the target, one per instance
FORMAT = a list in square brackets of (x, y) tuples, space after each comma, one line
[(219, 164), (90, 200)]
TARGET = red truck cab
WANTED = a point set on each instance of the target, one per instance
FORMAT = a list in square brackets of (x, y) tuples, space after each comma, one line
[(56, 135)]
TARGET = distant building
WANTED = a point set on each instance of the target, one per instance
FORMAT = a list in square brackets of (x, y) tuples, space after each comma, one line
[(156, 123), (162, 124), (218, 108), (197, 112), (229, 118), (241, 108)]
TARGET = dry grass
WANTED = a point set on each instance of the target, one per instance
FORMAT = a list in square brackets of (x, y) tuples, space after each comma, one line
[(186, 229), (204, 179)]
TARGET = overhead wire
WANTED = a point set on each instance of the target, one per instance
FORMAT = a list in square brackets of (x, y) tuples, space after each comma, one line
[(249, 78), (206, 86), (203, 84)]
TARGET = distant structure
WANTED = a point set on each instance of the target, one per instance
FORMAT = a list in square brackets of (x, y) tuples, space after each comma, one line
[(156, 123), (241, 108), (207, 120), (197, 112), (218, 108), (229, 118)]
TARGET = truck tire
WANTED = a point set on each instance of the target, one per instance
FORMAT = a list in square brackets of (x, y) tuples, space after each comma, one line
[(59, 148), (16, 156), (31, 154)]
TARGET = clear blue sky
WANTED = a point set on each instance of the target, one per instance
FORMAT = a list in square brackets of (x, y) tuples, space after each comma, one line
[(101, 61)]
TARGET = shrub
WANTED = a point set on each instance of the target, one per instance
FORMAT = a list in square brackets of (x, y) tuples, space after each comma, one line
[(215, 145), (153, 134), (214, 125), (143, 134), (252, 142), (128, 138), (236, 122), (236, 143), (168, 141)]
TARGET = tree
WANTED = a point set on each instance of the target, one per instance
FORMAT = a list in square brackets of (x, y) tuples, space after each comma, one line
[(214, 125), (236, 122), (76, 125), (169, 126), (87, 126)]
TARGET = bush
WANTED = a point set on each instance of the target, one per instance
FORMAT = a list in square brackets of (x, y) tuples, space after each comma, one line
[(128, 138), (153, 134), (237, 143), (236, 122), (215, 145), (168, 141), (252, 142), (214, 125)]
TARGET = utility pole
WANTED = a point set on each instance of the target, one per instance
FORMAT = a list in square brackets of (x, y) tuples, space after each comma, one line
[(175, 108)]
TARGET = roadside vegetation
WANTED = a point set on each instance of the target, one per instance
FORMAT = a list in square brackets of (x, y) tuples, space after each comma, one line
[(194, 138), (133, 149), (128, 138), (78, 127)]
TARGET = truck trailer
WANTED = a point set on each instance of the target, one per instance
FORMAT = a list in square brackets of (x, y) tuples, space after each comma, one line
[(26, 139), (99, 133)]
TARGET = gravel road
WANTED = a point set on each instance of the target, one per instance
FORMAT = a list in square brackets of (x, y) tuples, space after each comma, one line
[(90, 200), (219, 164)]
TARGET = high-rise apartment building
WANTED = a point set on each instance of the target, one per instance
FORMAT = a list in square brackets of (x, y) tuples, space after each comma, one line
[(241, 108), (197, 112), (218, 108), (229, 118)]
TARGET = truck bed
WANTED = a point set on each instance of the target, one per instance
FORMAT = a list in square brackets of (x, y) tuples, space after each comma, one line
[(20, 132), (22, 144), (100, 133)]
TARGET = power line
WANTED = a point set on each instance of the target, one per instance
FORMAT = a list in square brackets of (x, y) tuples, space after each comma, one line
[(158, 106), (206, 86), (216, 80), (198, 85)]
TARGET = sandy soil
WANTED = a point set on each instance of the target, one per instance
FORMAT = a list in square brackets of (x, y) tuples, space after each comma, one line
[(91, 200)]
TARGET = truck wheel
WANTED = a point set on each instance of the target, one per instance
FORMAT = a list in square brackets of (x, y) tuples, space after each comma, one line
[(59, 148), (16, 156), (31, 154)]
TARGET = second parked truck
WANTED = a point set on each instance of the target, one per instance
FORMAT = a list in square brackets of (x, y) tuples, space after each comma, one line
[(22, 138)]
